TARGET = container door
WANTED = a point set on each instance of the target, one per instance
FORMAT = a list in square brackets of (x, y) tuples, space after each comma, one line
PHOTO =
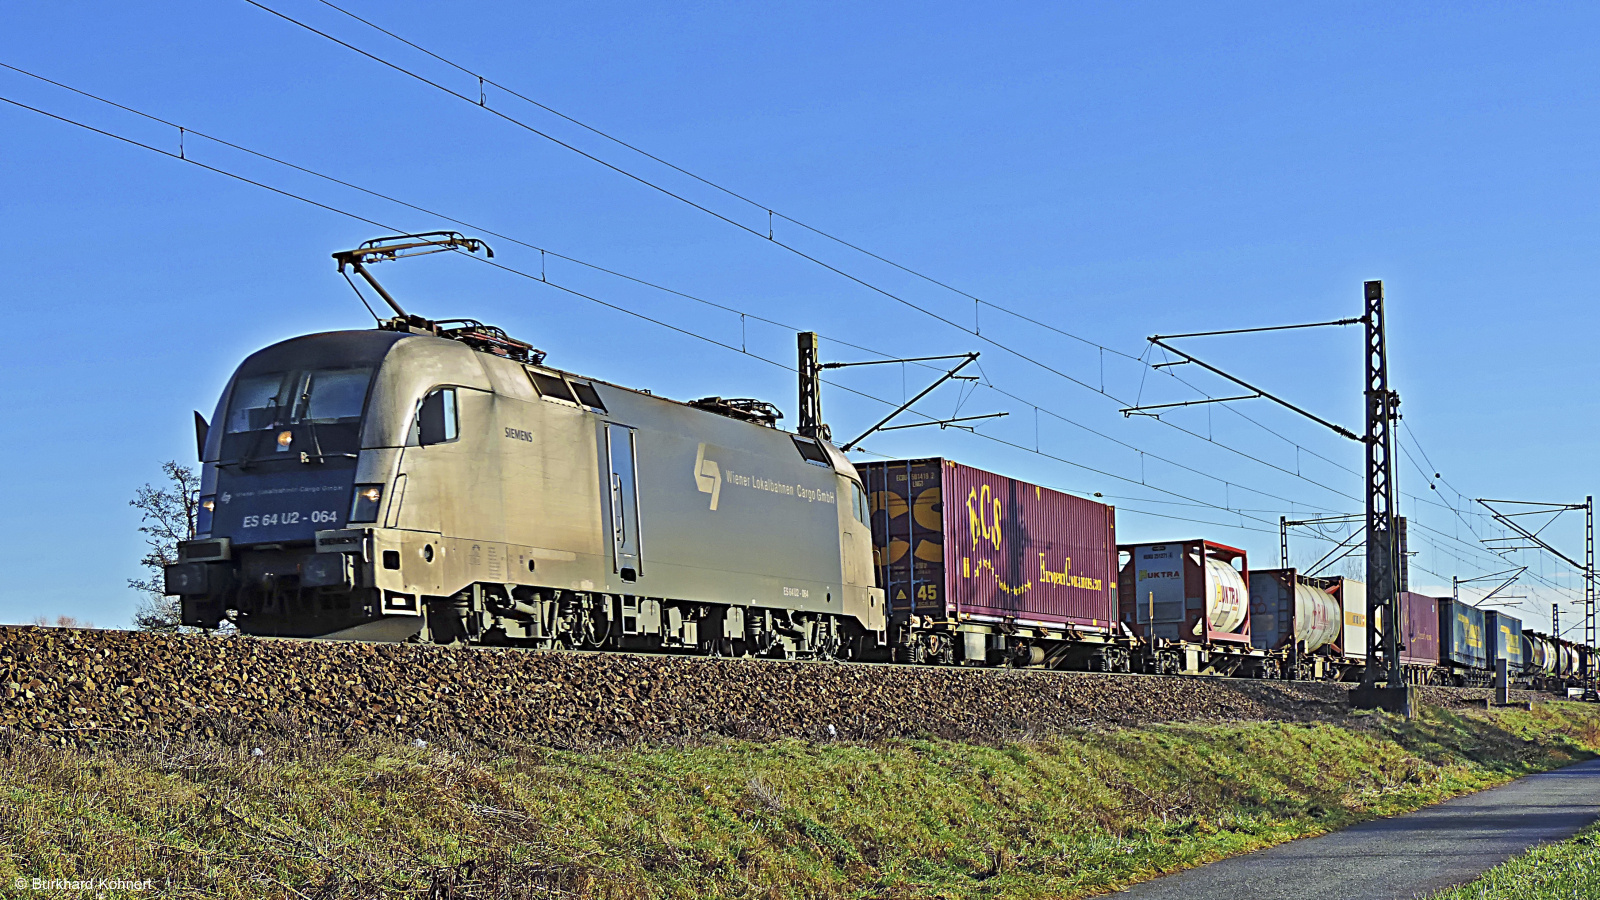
[(622, 475)]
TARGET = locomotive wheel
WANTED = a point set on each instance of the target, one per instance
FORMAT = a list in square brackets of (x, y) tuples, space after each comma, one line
[(842, 649)]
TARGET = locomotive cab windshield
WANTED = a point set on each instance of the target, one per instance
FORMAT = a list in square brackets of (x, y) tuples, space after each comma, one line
[(287, 435), (318, 409)]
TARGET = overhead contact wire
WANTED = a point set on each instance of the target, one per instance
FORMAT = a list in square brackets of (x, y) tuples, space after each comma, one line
[(387, 198), (390, 227), (792, 249)]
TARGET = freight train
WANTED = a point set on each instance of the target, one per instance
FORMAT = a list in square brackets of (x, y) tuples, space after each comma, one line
[(437, 481)]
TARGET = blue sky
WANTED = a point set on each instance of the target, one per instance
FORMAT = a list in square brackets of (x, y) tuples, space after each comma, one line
[(1112, 170)]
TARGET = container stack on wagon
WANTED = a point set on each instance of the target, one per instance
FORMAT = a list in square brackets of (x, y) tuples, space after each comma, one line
[(1565, 664), (979, 568), (1317, 624), (1538, 658), (1464, 652), (983, 569)]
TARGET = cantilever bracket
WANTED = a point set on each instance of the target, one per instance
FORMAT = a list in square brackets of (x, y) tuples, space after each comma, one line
[(966, 359), (1145, 410), (948, 423), (1159, 341)]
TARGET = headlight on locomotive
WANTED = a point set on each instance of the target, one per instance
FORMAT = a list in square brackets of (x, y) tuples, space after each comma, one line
[(364, 508), (202, 516)]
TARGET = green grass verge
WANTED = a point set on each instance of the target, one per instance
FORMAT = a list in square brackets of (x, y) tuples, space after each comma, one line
[(1060, 817), (1569, 870)]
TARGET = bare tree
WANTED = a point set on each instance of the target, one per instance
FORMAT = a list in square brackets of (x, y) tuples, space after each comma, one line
[(63, 622), (1355, 566), (167, 517)]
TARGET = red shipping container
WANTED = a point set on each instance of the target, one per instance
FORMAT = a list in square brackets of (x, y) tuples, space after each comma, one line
[(1419, 633), (953, 543)]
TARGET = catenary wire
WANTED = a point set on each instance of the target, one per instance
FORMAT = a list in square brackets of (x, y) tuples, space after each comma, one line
[(482, 79), (1142, 482), (1058, 416), (481, 103), (542, 280)]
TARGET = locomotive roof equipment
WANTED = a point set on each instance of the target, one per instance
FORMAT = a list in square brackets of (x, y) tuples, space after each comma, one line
[(479, 336)]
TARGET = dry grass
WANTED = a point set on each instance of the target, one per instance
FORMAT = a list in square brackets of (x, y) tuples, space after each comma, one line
[(1059, 817)]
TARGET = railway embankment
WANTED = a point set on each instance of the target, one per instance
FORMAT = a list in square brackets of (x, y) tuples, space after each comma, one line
[(82, 687), (254, 768)]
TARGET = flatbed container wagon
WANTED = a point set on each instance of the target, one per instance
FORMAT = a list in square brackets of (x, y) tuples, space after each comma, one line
[(1539, 657), (1503, 640), (980, 568), (1191, 601), (1195, 591), (1300, 617), (1352, 597), (1568, 661)]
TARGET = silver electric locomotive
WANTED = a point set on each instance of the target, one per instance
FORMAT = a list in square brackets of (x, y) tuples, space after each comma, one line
[(436, 481)]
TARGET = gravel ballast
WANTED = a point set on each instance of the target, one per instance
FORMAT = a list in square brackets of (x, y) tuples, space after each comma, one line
[(85, 686)]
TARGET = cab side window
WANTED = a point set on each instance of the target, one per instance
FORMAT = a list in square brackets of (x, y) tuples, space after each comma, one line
[(436, 421), (859, 503)]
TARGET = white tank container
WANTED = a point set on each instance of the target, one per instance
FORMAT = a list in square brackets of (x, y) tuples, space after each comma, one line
[(1535, 654), (1543, 655), (1227, 598), (1317, 617)]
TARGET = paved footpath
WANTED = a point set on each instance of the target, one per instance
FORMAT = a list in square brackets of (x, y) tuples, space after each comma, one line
[(1402, 857)]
